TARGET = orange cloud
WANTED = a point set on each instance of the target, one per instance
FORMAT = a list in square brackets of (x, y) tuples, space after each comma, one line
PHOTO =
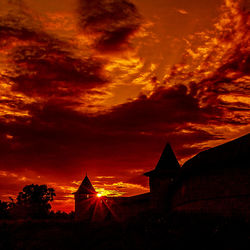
[(111, 24), (182, 11)]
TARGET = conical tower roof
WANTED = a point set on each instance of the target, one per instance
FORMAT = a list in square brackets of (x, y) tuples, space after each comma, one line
[(86, 187), (167, 162)]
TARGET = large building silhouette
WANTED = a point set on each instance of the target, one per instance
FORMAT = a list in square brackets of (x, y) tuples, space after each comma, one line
[(215, 181)]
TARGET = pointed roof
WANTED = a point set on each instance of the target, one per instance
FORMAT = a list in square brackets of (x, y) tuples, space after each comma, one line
[(167, 163), (86, 187)]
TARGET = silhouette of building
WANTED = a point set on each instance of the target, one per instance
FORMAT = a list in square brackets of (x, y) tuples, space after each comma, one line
[(215, 181), (84, 197), (163, 176)]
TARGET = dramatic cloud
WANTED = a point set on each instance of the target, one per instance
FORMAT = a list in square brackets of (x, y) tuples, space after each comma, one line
[(42, 65), (111, 24), (49, 72), (219, 68), (93, 98)]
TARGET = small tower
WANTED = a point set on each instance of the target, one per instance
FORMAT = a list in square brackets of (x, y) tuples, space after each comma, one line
[(84, 196), (163, 176)]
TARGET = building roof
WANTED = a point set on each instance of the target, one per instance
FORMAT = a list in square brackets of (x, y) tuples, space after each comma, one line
[(167, 163), (233, 154), (86, 187)]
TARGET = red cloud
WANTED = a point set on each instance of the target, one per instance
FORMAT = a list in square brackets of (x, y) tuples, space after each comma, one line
[(111, 24), (45, 70)]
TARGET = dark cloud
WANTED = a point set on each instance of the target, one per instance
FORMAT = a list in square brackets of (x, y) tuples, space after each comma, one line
[(48, 71), (230, 80), (54, 137), (164, 110), (19, 24), (57, 137), (8, 31), (217, 72), (224, 80), (41, 65), (110, 23)]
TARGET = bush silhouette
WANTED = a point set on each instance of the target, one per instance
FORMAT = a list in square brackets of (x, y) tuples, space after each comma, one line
[(33, 202)]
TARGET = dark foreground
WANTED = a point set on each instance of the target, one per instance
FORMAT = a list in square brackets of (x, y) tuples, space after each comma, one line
[(176, 231)]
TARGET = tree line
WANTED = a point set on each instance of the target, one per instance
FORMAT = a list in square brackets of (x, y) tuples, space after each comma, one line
[(33, 202)]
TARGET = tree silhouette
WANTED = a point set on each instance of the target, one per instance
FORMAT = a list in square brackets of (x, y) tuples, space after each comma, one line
[(34, 201), (4, 213)]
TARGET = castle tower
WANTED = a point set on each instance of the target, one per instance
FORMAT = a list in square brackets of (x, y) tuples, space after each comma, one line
[(163, 176), (84, 200)]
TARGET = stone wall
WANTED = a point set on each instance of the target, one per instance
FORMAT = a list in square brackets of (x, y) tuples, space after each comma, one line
[(222, 191)]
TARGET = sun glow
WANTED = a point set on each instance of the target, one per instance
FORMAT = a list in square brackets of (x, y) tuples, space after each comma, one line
[(99, 195)]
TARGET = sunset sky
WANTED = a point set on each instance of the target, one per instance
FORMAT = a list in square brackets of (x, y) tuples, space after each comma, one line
[(100, 86)]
